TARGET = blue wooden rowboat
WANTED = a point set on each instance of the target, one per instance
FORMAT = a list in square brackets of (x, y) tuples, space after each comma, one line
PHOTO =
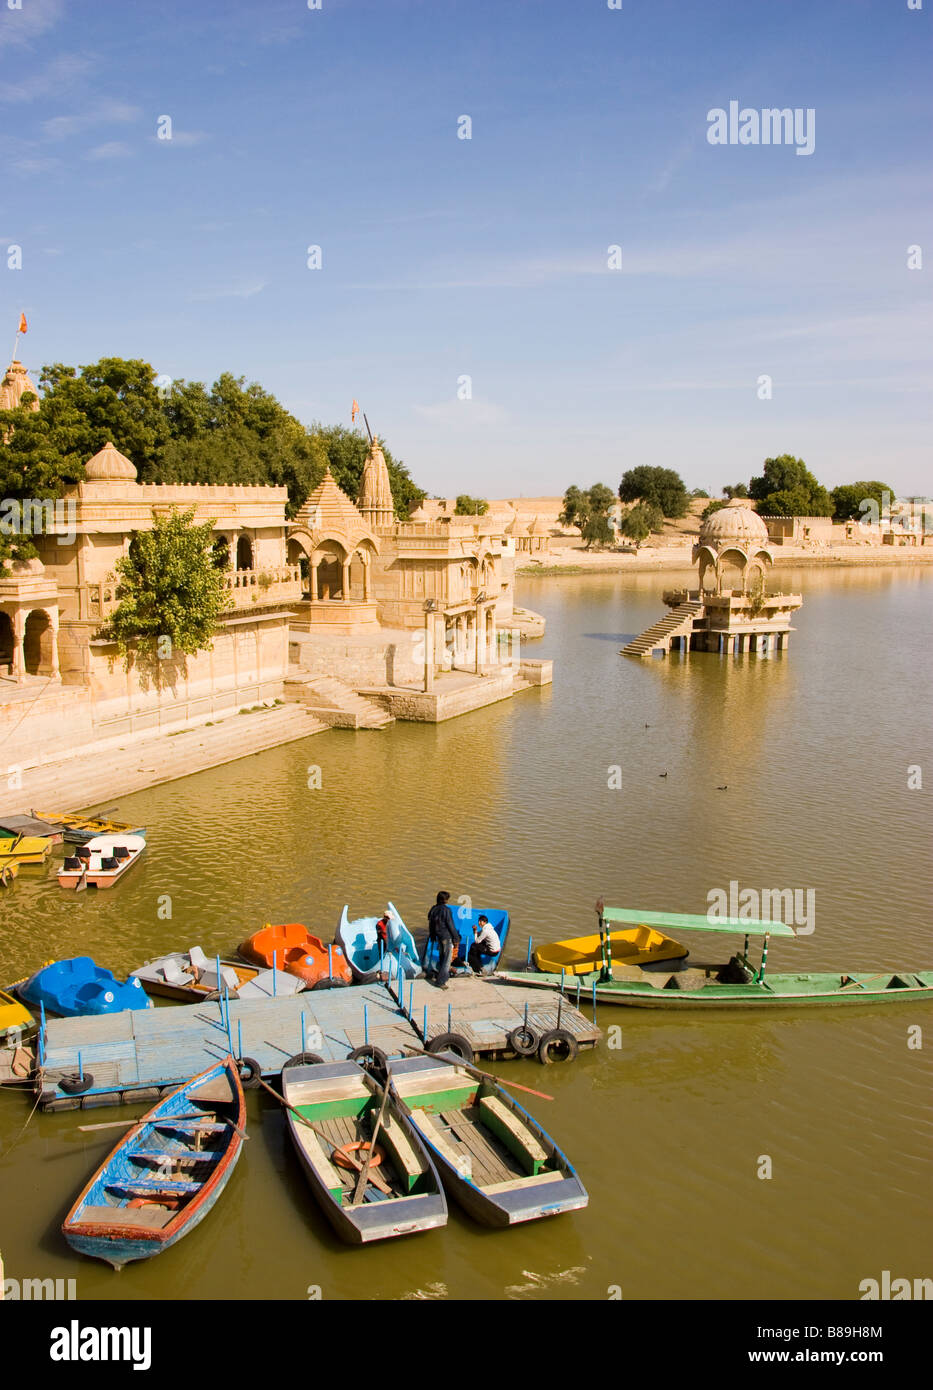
[(466, 920), (164, 1176), (360, 942), (493, 1158), (79, 986)]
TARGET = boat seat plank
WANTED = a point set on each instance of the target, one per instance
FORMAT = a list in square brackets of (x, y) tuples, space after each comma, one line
[(513, 1132), (514, 1184), (145, 1187), (153, 1218), (166, 1156), (191, 1127), (405, 1160), (428, 1125)]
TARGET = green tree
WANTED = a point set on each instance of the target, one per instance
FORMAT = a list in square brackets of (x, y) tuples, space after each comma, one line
[(169, 588), (788, 488), (735, 490), (345, 450), (574, 513), (470, 506), (660, 486), (847, 496), (715, 506), (640, 521)]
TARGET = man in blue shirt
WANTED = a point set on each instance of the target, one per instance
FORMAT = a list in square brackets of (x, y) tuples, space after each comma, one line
[(442, 930)]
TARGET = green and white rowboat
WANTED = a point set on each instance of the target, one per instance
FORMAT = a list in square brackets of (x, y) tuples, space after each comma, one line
[(720, 986)]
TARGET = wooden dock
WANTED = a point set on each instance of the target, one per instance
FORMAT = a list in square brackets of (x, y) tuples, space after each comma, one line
[(134, 1055)]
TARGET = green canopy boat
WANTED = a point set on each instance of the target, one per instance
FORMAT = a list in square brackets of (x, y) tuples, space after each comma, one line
[(736, 984)]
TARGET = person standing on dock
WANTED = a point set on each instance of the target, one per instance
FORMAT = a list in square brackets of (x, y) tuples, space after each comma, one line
[(441, 930)]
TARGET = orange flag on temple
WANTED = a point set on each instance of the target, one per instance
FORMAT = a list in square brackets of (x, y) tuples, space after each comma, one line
[(354, 412), (22, 324)]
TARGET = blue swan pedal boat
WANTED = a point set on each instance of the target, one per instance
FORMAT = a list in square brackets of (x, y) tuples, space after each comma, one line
[(360, 942), (466, 920), (164, 1176), (79, 986)]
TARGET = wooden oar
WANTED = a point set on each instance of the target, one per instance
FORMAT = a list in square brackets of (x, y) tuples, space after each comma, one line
[(499, 1080), (303, 1119), (364, 1171)]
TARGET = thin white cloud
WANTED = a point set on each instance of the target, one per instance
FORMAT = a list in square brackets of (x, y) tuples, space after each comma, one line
[(58, 74), (111, 149), (24, 25), (230, 291), (105, 112)]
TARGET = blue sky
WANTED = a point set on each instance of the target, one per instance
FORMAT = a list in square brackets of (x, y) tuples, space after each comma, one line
[(444, 258)]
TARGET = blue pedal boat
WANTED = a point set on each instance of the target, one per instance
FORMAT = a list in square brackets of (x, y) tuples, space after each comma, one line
[(367, 960), (79, 986), (164, 1176), (466, 921)]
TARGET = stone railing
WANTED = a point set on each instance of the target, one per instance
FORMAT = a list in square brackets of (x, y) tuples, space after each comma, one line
[(278, 584), (101, 599)]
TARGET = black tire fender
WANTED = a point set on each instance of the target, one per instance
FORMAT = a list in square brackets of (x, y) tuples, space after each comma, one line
[(557, 1046), (451, 1042), (302, 1059), (76, 1085), (250, 1072), (524, 1041), (372, 1058)]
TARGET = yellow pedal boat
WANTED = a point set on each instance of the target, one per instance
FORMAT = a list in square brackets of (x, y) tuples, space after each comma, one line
[(13, 1016), (581, 955), (24, 849)]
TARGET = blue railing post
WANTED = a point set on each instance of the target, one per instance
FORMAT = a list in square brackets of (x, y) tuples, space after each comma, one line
[(411, 996), (528, 956), (220, 986), (449, 1019), (424, 1030), (42, 1040), (80, 1066), (303, 1030), (239, 1037), (330, 961), (594, 1001), (578, 991), (365, 1024), (275, 971)]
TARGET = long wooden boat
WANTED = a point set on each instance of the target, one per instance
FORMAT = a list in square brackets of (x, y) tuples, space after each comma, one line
[(367, 958), (77, 830), (403, 1194), (24, 849), (289, 946), (164, 1176), (80, 986), (493, 1157), (581, 955), (30, 825), (191, 975), (737, 983), (101, 862), (466, 921)]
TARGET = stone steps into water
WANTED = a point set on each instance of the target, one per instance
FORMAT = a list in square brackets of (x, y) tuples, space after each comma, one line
[(338, 704), (678, 623)]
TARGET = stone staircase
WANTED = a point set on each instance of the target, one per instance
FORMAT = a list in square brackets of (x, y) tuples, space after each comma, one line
[(678, 623), (337, 704), (87, 779)]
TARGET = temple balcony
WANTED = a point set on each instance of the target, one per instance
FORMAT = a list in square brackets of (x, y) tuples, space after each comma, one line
[(265, 587)]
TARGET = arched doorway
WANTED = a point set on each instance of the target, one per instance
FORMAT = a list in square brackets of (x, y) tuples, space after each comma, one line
[(244, 553), (7, 643), (38, 643)]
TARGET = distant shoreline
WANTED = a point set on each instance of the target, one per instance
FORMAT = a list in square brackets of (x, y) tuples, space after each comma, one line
[(654, 561)]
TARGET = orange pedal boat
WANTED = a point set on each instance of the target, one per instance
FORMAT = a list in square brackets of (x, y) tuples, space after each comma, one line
[(289, 946)]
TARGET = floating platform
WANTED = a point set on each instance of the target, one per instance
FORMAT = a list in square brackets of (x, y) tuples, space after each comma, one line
[(133, 1056)]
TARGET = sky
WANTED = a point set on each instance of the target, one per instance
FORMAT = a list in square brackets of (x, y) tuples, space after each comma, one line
[(760, 301)]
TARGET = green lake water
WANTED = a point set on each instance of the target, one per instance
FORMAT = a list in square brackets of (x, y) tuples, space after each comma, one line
[(512, 806)]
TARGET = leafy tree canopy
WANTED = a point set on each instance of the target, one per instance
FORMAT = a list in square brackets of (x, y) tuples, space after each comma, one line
[(470, 506), (661, 487), (188, 433), (847, 496), (735, 490), (170, 591), (715, 506), (788, 488), (589, 510), (640, 521)]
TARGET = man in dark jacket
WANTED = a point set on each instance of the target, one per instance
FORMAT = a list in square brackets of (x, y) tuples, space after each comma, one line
[(442, 930)]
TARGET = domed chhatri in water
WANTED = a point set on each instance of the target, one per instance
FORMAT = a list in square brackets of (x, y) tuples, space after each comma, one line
[(730, 611)]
